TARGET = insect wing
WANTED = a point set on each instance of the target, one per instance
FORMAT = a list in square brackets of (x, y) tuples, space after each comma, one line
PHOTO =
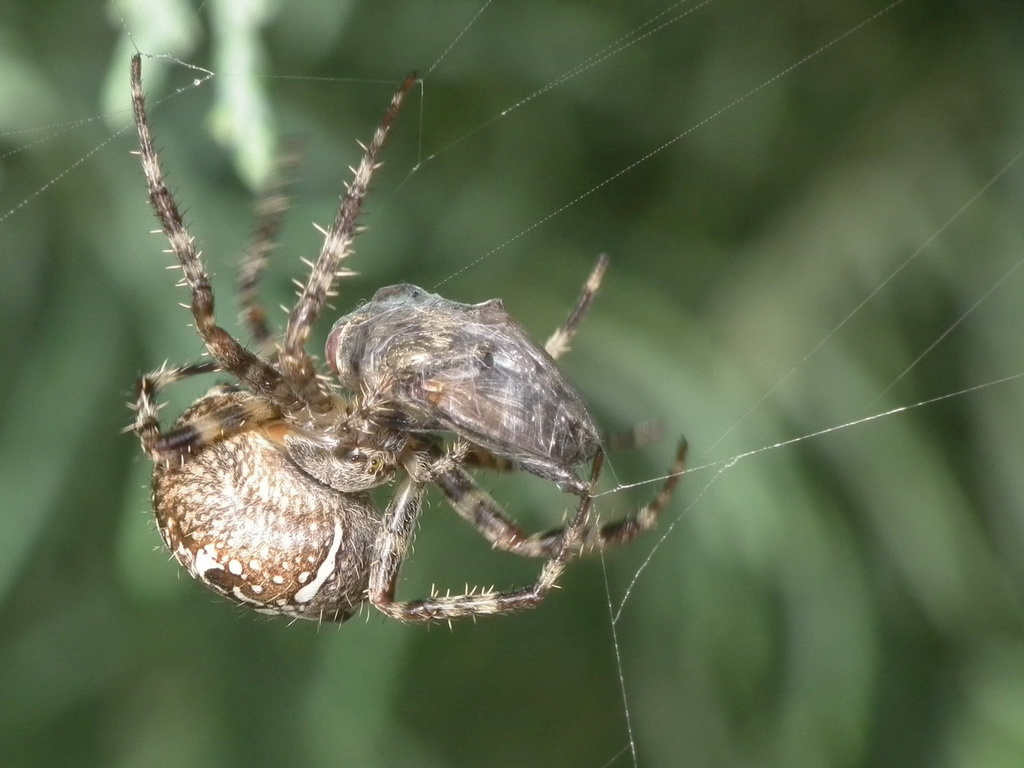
[(500, 390), (468, 369)]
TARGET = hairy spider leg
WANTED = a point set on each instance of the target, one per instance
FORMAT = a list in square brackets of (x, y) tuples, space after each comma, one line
[(229, 354), (189, 438), (558, 343), (146, 425), (297, 385), (296, 364), (476, 507), (270, 209), (393, 544)]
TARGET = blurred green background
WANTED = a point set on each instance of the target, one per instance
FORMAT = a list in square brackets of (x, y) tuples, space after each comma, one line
[(784, 267)]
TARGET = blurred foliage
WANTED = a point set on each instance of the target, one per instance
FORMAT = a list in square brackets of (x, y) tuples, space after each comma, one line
[(795, 262)]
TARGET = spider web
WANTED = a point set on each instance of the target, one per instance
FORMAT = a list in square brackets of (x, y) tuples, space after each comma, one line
[(815, 276)]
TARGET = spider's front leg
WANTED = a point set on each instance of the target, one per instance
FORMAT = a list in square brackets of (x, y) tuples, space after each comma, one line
[(231, 356), (393, 544), (476, 507), (295, 362)]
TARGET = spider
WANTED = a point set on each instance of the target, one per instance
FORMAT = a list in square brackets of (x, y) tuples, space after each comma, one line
[(261, 488)]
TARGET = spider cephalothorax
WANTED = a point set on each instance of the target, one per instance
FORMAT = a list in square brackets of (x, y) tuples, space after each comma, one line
[(261, 488)]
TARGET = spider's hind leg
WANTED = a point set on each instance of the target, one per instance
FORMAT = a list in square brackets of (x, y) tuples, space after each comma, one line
[(213, 416), (146, 425)]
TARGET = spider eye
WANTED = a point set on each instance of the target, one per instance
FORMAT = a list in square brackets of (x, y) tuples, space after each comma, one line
[(372, 462)]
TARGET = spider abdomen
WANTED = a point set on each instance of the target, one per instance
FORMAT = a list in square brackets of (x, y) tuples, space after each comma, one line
[(246, 521)]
